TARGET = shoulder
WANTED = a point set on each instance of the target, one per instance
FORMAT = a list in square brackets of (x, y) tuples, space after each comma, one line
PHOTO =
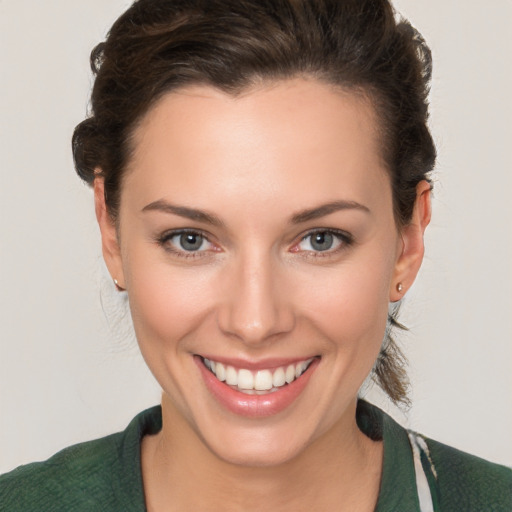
[(456, 481), (78, 474), (103, 474), (466, 482)]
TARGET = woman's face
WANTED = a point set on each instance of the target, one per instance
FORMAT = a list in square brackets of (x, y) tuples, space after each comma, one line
[(257, 233)]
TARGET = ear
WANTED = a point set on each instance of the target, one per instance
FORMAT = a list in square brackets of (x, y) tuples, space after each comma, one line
[(411, 246), (109, 238)]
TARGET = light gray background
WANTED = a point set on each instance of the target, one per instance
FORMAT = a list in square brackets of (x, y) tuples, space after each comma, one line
[(69, 370)]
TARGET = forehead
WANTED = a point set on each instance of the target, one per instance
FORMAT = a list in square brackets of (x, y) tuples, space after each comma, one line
[(297, 138)]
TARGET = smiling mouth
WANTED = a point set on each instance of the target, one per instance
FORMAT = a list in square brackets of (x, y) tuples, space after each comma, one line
[(258, 382)]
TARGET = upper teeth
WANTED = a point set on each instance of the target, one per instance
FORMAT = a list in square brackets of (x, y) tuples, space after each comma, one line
[(260, 380)]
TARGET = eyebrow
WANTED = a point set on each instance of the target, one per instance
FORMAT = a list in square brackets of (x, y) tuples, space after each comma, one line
[(184, 211), (210, 218), (326, 209)]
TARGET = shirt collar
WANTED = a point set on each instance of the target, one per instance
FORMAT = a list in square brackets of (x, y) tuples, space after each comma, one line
[(398, 482)]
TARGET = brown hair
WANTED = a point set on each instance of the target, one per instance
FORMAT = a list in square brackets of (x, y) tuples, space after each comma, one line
[(158, 46)]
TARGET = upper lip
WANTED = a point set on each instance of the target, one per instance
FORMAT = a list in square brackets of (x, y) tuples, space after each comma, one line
[(260, 364)]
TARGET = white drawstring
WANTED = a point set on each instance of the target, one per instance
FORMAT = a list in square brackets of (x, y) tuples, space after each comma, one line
[(424, 495)]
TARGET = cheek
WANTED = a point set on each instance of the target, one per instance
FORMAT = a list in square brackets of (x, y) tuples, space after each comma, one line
[(350, 304), (166, 302)]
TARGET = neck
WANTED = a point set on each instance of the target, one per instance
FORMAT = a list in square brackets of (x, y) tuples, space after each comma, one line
[(181, 473)]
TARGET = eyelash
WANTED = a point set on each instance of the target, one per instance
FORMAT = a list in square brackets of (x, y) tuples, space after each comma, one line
[(166, 237), (345, 239)]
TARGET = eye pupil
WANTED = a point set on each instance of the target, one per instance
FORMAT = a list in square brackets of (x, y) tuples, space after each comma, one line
[(191, 241), (322, 241)]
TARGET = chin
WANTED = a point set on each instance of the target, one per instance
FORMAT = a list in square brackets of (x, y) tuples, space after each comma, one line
[(258, 450)]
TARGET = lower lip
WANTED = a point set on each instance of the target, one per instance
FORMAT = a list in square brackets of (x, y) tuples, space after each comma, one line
[(255, 406)]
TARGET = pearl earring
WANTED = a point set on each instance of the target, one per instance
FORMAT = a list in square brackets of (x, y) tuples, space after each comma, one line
[(399, 287), (118, 287)]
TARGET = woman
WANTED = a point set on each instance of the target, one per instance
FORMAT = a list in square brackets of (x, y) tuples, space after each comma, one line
[(261, 178)]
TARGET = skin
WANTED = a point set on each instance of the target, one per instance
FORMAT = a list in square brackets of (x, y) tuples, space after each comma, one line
[(258, 289)]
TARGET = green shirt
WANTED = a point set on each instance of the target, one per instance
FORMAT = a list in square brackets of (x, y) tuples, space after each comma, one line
[(105, 474)]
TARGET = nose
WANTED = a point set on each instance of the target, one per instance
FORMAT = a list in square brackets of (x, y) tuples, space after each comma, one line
[(256, 307)]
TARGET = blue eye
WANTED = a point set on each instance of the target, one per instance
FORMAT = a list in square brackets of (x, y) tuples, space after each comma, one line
[(185, 243), (190, 241), (324, 241)]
